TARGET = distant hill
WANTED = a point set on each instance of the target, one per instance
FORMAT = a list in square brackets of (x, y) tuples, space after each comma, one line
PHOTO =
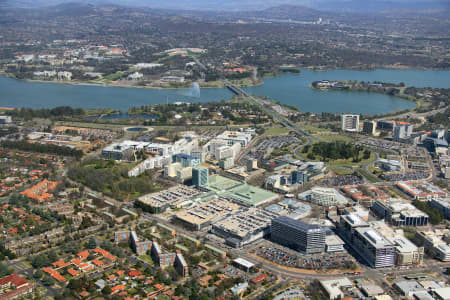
[(381, 5), (333, 5), (294, 12)]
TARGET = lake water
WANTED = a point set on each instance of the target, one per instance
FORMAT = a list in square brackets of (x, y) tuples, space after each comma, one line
[(290, 89)]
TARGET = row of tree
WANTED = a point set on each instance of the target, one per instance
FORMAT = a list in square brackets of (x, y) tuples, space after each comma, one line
[(436, 216), (112, 180), (60, 111), (42, 148), (337, 150)]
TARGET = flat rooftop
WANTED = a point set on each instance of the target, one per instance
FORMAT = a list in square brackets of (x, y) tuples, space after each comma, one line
[(375, 238), (333, 286), (251, 195), (403, 245), (354, 220), (239, 192), (219, 183), (420, 188), (333, 240), (171, 195), (298, 225), (208, 211), (244, 223), (243, 262)]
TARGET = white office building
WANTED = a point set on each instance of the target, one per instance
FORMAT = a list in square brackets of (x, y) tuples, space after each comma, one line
[(350, 123), (232, 137), (323, 196)]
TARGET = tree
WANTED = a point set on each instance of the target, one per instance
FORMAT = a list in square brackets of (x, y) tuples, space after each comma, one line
[(48, 281), (91, 243), (106, 290), (366, 154), (4, 270), (436, 216), (179, 290), (38, 274), (40, 261), (52, 256)]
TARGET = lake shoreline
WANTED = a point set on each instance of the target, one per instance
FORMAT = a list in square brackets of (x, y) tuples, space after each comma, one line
[(287, 88), (85, 83), (258, 83)]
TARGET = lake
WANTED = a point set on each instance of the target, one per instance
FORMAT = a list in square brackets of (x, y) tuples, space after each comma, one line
[(292, 89)]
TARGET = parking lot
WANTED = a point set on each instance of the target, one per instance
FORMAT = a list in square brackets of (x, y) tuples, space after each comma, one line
[(266, 146), (341, 180), (387, 146), (290, 258), (406, 176), (276, 142), (294, 292)]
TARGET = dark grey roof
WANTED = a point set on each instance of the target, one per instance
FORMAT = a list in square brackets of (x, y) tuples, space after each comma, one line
[(299, 225)]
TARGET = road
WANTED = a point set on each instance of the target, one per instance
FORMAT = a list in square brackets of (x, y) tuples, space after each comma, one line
[(366, 165), (247, 150), (276, 117), (420, 115), (28, 272)]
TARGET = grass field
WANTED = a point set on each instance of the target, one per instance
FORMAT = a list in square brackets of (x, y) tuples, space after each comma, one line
[(340, 171), (146, 258), (333, 138), (115, 127), (370, 177), (312, 129), (372, 168), (113, 77), (349, 162), (344, 162), (277, 130)]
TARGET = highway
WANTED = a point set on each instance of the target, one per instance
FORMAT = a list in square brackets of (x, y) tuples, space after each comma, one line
[(270, 112)]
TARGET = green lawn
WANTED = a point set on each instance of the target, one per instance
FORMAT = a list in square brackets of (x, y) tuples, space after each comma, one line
[(372, 168), (146, 258), (113, 77), (333, 138), (343, 162), (340, 171), (349, 162), (181, 247), (370, 177), (278, 130), (91, 125), (312, 129)]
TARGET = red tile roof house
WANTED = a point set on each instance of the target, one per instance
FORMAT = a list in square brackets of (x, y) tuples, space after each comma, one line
[(111, 277), (134, 273), (14, 286), (97, 262), (73, 272), (83, 254), (117, 288), (84, 294), (259, 279), (55, 274)]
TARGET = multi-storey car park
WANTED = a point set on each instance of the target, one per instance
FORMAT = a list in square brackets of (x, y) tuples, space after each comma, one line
[(160, 201), (244, 227), (206, 212)]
